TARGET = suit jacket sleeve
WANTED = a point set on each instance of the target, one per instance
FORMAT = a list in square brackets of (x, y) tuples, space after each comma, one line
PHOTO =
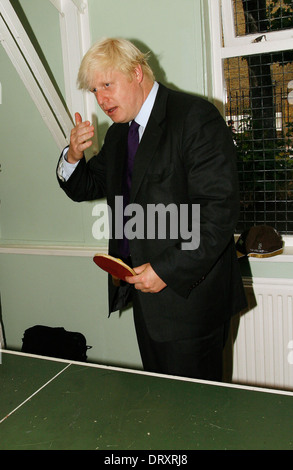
[(87, 182)]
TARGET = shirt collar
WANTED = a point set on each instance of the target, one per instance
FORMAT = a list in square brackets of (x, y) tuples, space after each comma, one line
[(146, 109)]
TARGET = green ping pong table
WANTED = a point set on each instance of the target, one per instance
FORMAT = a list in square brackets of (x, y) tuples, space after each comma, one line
[(53, 404)]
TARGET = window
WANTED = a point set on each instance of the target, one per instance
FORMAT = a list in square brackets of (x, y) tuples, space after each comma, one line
[(257, 78)]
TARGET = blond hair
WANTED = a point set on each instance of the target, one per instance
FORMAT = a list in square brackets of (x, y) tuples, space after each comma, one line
[(118, 54)]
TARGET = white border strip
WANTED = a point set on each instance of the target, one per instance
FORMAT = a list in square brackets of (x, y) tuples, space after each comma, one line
[(139, 372)]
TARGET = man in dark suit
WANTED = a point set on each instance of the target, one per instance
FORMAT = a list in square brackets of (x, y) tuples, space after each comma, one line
[(184, 292)]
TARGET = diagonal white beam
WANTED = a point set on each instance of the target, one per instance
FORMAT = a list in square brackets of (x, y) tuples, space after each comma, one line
[(80, 4), (57, 5), (26, 61)]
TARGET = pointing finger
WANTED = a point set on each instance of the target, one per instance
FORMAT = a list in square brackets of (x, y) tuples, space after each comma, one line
[(78, 118)]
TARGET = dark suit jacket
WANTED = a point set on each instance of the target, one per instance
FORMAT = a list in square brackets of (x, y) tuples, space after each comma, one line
[(186, 156)]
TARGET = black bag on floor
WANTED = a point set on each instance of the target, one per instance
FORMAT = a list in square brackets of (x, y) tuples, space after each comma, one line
[(55, 342)]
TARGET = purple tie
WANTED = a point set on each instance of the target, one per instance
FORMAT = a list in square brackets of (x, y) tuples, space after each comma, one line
[(133, 141), (132, 145)]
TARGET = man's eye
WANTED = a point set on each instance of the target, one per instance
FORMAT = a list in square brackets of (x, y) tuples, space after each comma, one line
[(94, 90), (107, 85)]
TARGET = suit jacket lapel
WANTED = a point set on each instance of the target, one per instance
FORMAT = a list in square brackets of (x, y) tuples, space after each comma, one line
[(149, 142)]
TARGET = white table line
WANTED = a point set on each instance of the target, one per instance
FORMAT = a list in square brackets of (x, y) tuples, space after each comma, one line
[(31, 396)]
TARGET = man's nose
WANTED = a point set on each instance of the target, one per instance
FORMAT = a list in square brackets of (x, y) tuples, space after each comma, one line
[(100, 97)]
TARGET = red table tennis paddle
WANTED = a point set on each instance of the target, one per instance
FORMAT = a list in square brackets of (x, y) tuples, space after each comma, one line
[(114, 266)]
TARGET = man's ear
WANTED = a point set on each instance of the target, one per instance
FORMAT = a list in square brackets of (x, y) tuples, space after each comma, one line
[(138, 73)]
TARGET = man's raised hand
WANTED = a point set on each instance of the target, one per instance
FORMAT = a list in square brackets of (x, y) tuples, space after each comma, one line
[(80, 139)]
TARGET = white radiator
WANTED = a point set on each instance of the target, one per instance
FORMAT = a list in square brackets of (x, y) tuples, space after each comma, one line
[(263, 335)]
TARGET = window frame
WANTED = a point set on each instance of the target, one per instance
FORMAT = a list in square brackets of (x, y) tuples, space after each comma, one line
[(221, 22), (275, 40), (221, 18)]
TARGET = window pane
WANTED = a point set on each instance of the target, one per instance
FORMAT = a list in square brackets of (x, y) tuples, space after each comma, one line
[(259, 110), (261, 16)]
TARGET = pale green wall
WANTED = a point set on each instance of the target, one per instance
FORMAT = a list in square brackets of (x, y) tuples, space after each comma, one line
[(172, 31), (62, 290), (67, 292)]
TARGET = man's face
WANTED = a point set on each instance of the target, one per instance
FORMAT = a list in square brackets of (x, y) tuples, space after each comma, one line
[(117, 95)]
